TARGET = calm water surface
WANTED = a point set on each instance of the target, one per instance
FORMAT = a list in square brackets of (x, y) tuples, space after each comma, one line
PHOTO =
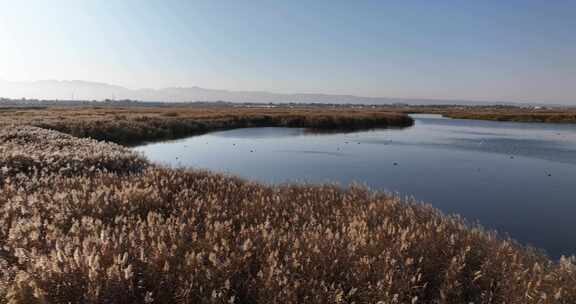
[(517, 178)]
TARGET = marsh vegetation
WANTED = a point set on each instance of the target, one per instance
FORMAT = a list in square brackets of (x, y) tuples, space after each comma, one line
[(119, 229), (141, 124), (168, 236), (501, 113)]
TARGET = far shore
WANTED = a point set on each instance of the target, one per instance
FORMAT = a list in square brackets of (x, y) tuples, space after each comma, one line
[(136, 125)]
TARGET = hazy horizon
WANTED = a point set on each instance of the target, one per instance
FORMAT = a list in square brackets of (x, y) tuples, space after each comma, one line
[(513, 51), (99, 91)]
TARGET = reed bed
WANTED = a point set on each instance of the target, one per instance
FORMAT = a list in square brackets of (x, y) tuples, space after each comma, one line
[(159, 235), (519, 116), (500, 113), (135, 125), (31, 150)]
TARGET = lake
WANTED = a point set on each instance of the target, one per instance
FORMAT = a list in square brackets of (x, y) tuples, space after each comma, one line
[(517, 178)]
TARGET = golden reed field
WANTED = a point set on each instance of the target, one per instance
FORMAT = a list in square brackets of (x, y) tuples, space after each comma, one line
[(515, 114), (133, 125), (499, 113), (86, 221)]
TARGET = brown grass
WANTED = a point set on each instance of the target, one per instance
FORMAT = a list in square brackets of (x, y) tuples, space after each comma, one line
[(156, 235), (556, 115), (532, 116), (139, 124)]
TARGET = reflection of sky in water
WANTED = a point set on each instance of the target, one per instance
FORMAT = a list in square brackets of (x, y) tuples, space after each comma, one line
[(256, 133), (518, 178), (549, 142)]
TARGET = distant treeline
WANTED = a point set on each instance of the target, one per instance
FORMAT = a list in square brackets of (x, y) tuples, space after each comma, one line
[(24, 102)]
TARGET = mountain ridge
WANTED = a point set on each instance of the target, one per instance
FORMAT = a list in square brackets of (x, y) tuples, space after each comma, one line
[(88, 90)]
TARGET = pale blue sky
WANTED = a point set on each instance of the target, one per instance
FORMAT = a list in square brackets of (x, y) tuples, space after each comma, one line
[(483, 50)]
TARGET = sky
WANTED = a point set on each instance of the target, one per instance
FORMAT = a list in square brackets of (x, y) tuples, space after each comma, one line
[(489, 50)]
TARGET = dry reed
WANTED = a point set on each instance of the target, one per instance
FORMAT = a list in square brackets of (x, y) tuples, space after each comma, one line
[(158, 235), (138, 124)]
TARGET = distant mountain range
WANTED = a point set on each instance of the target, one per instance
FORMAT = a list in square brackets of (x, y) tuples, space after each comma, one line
[(84, 90)]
